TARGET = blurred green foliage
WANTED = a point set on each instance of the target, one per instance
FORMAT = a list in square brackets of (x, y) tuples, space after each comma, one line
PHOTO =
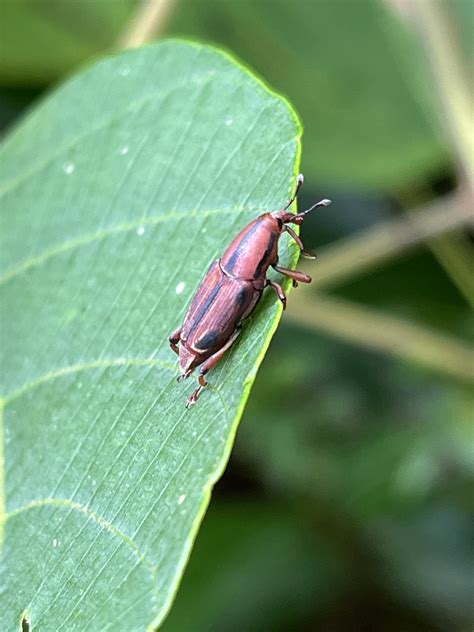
[(275, 571), (42, 40), (351, 69), (346, 503), (374, 461)]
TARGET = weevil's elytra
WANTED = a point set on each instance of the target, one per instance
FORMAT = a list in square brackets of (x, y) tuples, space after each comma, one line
[(232, 288), (208, 341), (242, 296)]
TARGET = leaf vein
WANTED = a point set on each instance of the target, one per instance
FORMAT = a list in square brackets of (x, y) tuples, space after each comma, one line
[(76, 368), (87, 511), (89, 238)]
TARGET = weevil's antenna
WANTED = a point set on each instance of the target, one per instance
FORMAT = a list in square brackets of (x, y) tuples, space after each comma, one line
[(299, 184), (324, 202)]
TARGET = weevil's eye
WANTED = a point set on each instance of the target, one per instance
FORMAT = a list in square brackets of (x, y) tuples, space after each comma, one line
[(280, 223)]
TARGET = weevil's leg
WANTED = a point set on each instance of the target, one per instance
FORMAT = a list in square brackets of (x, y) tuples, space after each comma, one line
[(297, 238), (192, 399), (296, 275), (299, 184), (208, 364), (279, 291), (174, 339)]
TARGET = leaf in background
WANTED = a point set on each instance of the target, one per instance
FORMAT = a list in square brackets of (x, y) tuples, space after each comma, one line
[(44, 39), (355, 73), (117, 192)]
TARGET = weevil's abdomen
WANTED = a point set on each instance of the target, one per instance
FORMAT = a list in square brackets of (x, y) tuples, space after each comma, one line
[(218, 307), (254, 249)]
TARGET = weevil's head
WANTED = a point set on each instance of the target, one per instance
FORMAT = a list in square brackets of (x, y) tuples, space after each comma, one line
[(282, 217), (287, 217)]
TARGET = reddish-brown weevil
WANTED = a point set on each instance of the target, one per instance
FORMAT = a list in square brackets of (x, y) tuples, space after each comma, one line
[(232, 288)]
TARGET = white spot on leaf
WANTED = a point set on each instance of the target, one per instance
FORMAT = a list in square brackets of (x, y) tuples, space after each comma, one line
[(181, 499), (180, 287), (124, 71), (140, 231), (68, 168), (229, 120), (124, 150)]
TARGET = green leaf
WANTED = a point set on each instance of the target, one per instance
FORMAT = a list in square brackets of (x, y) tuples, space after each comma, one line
[(117, 192)]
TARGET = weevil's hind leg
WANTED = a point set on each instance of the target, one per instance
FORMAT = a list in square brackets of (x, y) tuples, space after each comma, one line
[(207, 365), (278, 290), (174, 339), (296, 275), (192, 399), (297, 238)]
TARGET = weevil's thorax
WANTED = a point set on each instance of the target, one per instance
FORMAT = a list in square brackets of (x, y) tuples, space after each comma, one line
[(282, 217), (254, 249)]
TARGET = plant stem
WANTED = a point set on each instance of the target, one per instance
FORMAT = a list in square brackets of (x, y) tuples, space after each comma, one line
[(450, 70), (380, 332), (361, 252), (440, 34), (451, 76), (454, 252), (149, 22)]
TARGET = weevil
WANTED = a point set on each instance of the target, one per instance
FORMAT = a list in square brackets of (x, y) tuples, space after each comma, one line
[(232, 288)]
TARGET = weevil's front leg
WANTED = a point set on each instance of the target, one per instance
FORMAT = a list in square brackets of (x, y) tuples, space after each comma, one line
[(174, 339), (296, 275), (208, 364), (297, 238), (279, 291)]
